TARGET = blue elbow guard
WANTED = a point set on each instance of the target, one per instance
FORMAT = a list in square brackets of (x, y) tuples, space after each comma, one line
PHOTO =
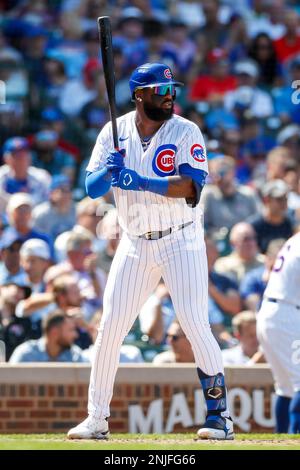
[(97, 183), (198, 176)]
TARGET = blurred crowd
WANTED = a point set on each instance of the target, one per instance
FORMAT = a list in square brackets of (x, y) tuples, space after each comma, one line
[(240, 62)]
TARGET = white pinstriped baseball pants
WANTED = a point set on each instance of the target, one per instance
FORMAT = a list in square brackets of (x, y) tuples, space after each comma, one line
[(135, 272)]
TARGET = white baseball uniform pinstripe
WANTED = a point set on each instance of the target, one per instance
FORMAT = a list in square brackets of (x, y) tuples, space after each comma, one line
[(278, 321), (179, 258)]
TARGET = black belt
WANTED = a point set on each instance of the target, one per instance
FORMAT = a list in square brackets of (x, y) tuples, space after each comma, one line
[(162, 233), (277, 301)]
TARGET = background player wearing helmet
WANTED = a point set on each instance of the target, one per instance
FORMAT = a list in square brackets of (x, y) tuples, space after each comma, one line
[(278, 330), (157, 188)]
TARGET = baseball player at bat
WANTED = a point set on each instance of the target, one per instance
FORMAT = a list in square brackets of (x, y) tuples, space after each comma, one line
[(157, 180)]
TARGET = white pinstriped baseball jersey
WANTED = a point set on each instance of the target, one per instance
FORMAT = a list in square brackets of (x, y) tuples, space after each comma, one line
[(178, 141), (278, 321), (284, 282)]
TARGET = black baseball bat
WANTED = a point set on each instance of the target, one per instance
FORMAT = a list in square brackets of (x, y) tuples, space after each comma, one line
[(105, 37)]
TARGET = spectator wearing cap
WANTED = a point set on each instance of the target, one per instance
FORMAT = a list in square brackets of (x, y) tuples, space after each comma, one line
[(273, 222), (17, 174), (129, 37), (225, 202), (34, 43), (248, 97), (35, 260), (213, 85), (58, 214), (244, 256), (289, 137), (49, 157), (19, 213), (79, 92), (10, 268), (56, 344)]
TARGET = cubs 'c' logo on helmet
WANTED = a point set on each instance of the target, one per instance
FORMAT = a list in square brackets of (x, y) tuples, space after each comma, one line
[(168, 74), (163, 163), (198, 153)]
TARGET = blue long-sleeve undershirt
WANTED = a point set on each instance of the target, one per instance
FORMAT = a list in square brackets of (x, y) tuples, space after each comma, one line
[(97, 183)]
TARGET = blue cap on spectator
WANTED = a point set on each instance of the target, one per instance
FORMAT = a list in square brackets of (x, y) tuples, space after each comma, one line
[(52, 114), (14, 144), (59, 181), (9, 238)]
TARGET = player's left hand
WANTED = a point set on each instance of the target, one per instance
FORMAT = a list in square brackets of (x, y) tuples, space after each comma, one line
[(128, 180), (115, 160)]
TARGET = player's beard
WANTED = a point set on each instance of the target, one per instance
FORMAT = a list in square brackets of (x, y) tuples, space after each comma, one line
[(155, 113)]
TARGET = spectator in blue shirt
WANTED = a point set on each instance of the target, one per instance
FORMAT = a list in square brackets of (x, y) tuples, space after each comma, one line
[(56, 344)]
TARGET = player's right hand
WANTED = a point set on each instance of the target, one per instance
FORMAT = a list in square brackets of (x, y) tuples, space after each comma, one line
[(115, 160)]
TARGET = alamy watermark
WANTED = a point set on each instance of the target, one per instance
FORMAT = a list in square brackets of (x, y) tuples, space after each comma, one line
[(2, 92), (296, 93)]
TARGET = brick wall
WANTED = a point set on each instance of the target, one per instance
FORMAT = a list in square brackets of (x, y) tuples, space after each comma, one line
[(53, 397)]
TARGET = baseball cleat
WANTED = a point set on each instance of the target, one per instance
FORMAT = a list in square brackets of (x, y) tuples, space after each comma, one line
[(90, 429), (216, 427)]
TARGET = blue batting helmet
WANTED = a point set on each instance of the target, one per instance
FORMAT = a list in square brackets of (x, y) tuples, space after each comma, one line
[(148, 75)]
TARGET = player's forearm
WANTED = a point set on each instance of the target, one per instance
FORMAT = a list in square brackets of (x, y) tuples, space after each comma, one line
[(180, 186), (97, 183)]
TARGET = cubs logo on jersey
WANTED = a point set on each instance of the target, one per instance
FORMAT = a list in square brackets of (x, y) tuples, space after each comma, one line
[(163, 163), (198, 153)]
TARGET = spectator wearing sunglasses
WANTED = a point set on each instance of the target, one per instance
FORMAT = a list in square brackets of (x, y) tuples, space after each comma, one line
[(180, 348)]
